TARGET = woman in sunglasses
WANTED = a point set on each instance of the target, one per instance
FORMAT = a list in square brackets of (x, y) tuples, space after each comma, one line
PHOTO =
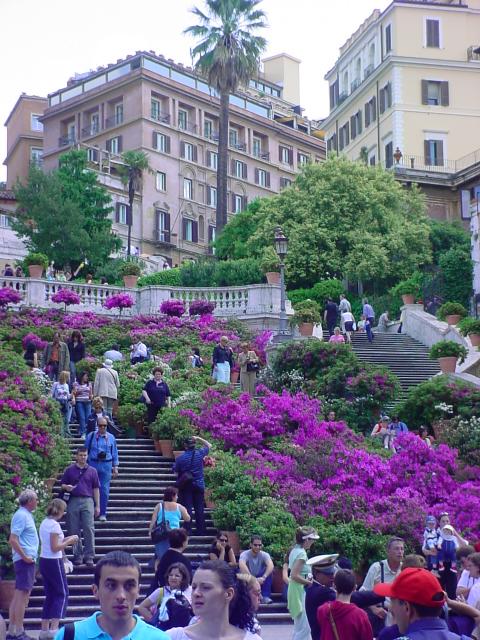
[(221, 550)]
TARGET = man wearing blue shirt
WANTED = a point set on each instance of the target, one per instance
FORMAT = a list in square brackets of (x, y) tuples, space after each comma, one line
[(24, 542), (192, 493), (116, 587), (103, 456), (417, 599)]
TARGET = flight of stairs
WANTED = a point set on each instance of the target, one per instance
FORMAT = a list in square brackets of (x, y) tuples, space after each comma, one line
[(407, 358), (143, 476)]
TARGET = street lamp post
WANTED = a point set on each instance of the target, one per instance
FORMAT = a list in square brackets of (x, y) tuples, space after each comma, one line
[(281, 248)]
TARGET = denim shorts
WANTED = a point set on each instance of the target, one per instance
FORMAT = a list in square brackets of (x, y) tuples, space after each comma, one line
[(24, 575)]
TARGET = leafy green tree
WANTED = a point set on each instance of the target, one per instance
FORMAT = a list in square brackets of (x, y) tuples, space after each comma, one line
[(445, 236), (228, 55), (343, 219), (136, 163), (64, 214), (456, 268)]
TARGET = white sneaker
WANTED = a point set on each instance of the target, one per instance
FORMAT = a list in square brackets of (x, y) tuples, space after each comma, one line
[(103, 518)]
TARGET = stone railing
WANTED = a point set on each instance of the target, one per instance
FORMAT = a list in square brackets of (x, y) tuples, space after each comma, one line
[(258, 304), (428, 330)]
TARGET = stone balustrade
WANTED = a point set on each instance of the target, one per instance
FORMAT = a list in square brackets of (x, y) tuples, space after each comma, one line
[(257, 304)]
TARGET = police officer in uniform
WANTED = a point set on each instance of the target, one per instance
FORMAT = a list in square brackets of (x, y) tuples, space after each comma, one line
[(323, 570)]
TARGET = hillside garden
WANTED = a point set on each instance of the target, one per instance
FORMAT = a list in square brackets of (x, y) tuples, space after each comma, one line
[(276, 461)]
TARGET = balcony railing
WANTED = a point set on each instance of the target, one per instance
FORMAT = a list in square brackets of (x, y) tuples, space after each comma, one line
[(161, 116), (420, 163), (91, 130), (354, 84), (211, 136), (239, 146), (187, 126), (162, 237), (113, 121), (342, 97), (65, 141), (368, 71)]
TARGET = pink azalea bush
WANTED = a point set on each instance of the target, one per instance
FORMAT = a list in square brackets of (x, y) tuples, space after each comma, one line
[(172, 308), (9, 296), (66, 297), (201, 308), (119, 301), (36, 340)]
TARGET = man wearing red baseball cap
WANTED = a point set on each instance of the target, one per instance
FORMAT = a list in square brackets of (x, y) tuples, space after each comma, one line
[(417, 599)]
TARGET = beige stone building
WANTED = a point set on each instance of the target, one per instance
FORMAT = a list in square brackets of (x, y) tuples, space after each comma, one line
[(405, 93), (148, 103)]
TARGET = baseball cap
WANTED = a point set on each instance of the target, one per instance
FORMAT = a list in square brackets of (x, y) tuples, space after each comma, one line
[(414, 585)]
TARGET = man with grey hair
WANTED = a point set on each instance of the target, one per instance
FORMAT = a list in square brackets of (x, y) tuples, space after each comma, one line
[(24, 542)]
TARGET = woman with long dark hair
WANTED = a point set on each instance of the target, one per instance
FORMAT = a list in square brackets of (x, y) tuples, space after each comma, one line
[(76, 348), (222, 604)]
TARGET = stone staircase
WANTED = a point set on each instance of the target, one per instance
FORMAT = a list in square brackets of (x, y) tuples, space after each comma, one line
[(143, 476), (407, 358)]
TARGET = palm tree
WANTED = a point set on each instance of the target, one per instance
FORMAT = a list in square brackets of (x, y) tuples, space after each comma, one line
[(228, 55), (131, 172)]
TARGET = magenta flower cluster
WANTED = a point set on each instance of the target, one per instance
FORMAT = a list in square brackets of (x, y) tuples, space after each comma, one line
[(66, 297), (119, 301), (35, 340), (9, 296), (172, 307), (201, 308)]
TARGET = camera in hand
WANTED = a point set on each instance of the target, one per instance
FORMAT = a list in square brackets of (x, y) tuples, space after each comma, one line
[(101, 455)]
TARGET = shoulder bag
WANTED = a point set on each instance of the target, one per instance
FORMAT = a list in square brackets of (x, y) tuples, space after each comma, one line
[(332, 622), (160, 532), (253, 366), (185, 479)]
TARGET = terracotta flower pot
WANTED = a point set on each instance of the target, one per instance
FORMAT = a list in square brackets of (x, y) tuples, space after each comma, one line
[(234, 541), (448, 364), (474, 339), (49, 483), (273, 277), (7, 589), (35, 270), (453, 319), (209, 503), (130, 281), (408, 298), (277, 581), (158, 446), (166, 448), (234, 375), (306, 329)]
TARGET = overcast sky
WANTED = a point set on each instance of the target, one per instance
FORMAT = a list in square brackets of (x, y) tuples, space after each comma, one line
[(44, 43)]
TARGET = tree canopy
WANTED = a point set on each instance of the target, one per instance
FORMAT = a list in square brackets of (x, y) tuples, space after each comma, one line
[(343, 219), (64, 214)]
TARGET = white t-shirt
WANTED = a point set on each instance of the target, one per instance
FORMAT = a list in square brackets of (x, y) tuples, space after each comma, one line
[(474, 595), (48, 526), (466, 581), (178, 633)]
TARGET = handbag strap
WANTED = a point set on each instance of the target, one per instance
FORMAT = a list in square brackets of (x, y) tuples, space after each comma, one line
[(332, 622), (163, 512)]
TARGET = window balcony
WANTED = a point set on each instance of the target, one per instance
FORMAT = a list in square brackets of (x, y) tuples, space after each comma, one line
[(187, 126), (239, 146), (91, 130), (113, 121), (354, 85), (161, 116), (342, 97), (368, 71), (65, 141)]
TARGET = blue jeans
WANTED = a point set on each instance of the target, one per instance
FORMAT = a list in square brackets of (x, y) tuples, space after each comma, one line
[(84, 409), (369, 331), (73, 373), (266, 586), (104, 470)]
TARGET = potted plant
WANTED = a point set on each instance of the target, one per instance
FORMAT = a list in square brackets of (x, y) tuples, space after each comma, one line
[(451, 312), (470, 327), (270, 265), (36, 263), (307, 315), (408, 290), (235, 374), (131, 272), (448, 352), (7, 582), (132, 415)]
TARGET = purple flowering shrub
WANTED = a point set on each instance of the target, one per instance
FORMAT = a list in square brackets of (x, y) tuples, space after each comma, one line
[(66, 297), (172, 308), (119, 301), (376, 383), (36, 340), (9, 296), (201, 308)]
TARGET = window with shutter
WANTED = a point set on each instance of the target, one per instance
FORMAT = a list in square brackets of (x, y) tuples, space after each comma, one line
[(444, 97), (244, 170), (389, 95), (194, 231), (433, 152), (257, 176), (353, 127), (268, 178), (373, 102), (382, 100), (347, 134), (389, 155), (432, 33), (388, 38), (367, 114), (358, 122)]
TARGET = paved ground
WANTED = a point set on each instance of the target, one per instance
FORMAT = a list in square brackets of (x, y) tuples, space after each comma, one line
[(277, 631)]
